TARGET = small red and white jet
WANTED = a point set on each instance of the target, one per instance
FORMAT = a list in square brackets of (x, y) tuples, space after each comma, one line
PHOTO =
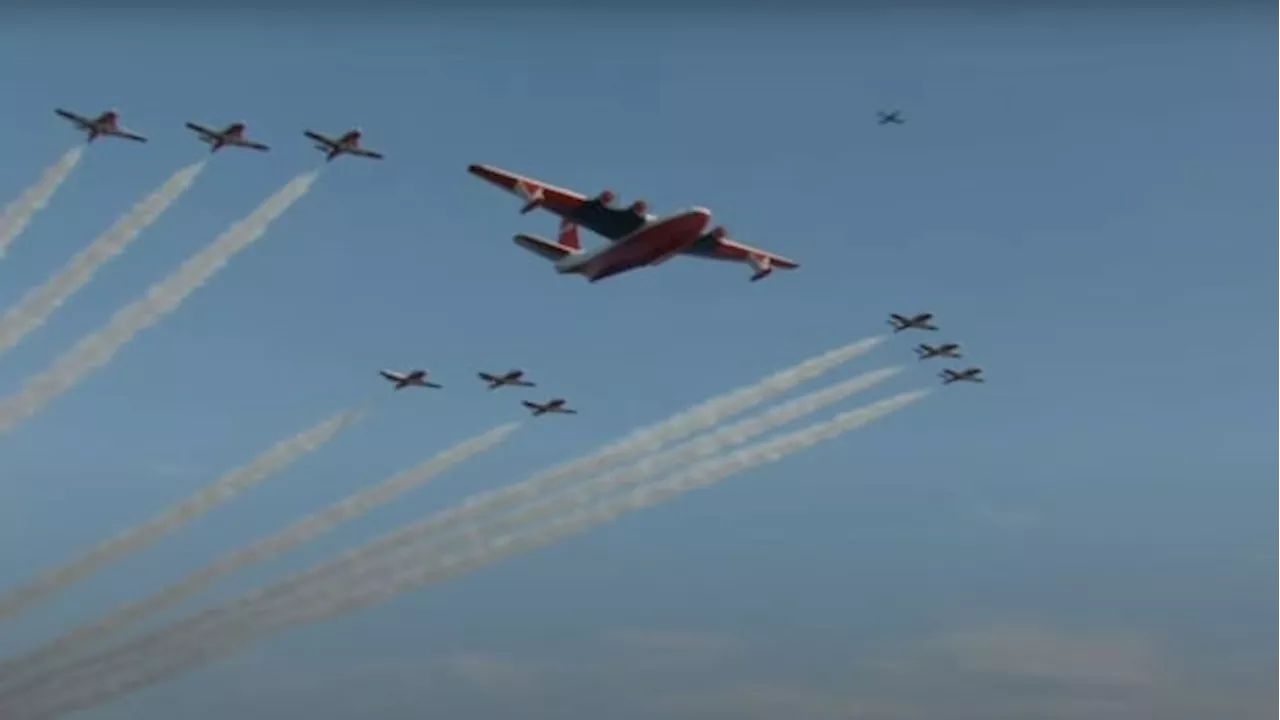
[(232, 135), (511, 378), (919, 322), (347, 144), (551, 406), (105, 125), (968, 375), (637, 238), (413, 378)]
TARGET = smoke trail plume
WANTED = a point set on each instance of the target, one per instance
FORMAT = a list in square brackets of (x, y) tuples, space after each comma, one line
[(17, 214), (161, 299), (134, 539), (307, 529), (417, 538), (686, 423), (37, 305), (188, 644), (690, 451), (700, 417)]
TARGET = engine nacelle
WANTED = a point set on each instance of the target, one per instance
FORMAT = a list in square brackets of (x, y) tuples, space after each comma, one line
[(640, 208), (606, 198), (719, 233)]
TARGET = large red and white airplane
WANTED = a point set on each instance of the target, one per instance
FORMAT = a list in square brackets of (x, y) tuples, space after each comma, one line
[(105, 125), (637, 238), (347, 144), (232, 135)]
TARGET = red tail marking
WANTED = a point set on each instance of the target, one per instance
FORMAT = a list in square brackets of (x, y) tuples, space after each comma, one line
[(569, 235)]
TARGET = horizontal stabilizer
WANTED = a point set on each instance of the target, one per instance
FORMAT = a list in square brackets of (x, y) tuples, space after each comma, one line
[(550, 250)]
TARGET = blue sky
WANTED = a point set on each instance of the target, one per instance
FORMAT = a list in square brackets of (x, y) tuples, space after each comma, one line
[(1082, 198)]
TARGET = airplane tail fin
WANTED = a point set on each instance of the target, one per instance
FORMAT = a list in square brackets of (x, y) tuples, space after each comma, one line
[(569, 235), (544, 248)]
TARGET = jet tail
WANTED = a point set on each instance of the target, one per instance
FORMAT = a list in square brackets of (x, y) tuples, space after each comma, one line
[(545, 248)]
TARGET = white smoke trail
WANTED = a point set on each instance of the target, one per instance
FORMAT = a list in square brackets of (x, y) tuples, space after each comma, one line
[(198, 640), (383, 552), (37, 305), (161, 299), (683, 424), (136, 538), (351, 568), (305, 530), (17, 214)]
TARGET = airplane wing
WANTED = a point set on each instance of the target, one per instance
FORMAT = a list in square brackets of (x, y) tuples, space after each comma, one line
[(254, 145), (567, 411), (486, 377), (392, 376), (558, 200), (429, 384), (365, 153), (128, 135), (738, 251), (202, 130), (72, 116), (320, 138)]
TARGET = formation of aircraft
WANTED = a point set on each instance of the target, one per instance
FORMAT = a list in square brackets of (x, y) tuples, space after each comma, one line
[(105, 125), (511, 378), (413, 378), (346, 144), (893, 117), (555, 405), (636, 238), (108, 125), (232, 135), (925, 351)]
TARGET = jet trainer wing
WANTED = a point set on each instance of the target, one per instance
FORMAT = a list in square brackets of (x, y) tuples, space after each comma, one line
[(320, 138), (73, 117), (206, 132), (364, 153), (127, 135)]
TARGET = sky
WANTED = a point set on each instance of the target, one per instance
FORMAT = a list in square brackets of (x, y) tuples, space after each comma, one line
[(1081, 196)]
